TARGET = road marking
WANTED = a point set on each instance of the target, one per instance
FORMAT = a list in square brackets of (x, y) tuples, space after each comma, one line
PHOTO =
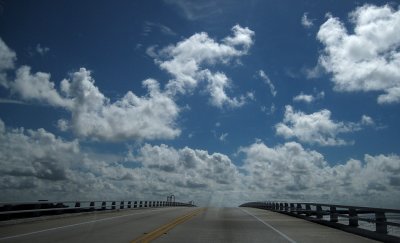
[(166, 227), (270, 226), (73, 225)]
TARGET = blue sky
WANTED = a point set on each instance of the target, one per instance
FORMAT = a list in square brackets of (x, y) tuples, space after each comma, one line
[(225, 101)]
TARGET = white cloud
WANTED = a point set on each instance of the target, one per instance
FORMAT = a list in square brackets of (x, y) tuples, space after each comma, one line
[(36, 164), (241, 37), (268, 111), (308, 98), (11, 101), (7, 61), (217, 84), (268, 81), (196, 10), (63, 125), (223, 137), (315, 72), (149, 26), (366, 58), (42, 50), (367, 120), (152, 116), (290, 172), (132, 117), (37, 87), (316, 128), (187, 60), (306, 22), (197, 167)]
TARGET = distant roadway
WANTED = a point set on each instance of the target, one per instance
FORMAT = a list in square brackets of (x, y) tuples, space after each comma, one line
[(178, 224)]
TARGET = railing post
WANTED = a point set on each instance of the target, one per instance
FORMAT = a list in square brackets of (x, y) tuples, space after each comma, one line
[(103, 206), (135, 204), (77, 206), (381, 226), (319, 212), (333, 214), (299, 209), (308, 210), (91, 206), (353, 217), (129, 204), (292, 207)]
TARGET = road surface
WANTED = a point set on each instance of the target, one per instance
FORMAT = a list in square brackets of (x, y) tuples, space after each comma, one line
[(176, 225)]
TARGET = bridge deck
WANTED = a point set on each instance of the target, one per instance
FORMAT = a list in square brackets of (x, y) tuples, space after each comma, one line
[(184, 225)]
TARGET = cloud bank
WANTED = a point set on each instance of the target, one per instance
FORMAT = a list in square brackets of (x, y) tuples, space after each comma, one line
[(37, 164)]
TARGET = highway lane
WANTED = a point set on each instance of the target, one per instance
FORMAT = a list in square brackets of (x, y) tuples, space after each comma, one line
[(122, 226), (254, 225), (176, 225)]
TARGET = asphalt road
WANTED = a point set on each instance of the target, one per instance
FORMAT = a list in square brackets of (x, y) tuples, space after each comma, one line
[(176, 225)]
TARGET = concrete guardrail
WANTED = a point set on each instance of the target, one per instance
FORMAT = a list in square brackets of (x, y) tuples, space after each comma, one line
[(15, 210), (346, 218)]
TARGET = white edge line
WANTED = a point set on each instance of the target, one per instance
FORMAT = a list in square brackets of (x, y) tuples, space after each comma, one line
[(270, 226), (72, 225)]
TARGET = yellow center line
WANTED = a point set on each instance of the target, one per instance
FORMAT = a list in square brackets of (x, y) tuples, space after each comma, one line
[(166, 227)]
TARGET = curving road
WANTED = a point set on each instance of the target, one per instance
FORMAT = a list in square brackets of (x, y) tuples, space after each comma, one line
[(175, 225)]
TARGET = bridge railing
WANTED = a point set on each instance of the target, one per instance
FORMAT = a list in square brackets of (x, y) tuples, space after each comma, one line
[(343, 217), (13, 210)]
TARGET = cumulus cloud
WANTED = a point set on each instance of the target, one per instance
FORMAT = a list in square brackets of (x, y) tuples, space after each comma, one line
[(290, 172), (7, 61), (306, 22), (37, 87), (28, 154), (36, 164), (308, 98), (316, 128), (93, 115), (217, 83), (132, 117), (268, 81), (187, 62), (366, 58), (197, 167)]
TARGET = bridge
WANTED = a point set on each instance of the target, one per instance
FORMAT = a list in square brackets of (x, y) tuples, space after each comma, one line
[(169, 221)]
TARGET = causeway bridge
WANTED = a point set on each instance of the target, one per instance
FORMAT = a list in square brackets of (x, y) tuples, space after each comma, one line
[(169, 221)]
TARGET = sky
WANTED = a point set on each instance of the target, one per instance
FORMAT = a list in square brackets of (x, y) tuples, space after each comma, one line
[(219, 102)]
